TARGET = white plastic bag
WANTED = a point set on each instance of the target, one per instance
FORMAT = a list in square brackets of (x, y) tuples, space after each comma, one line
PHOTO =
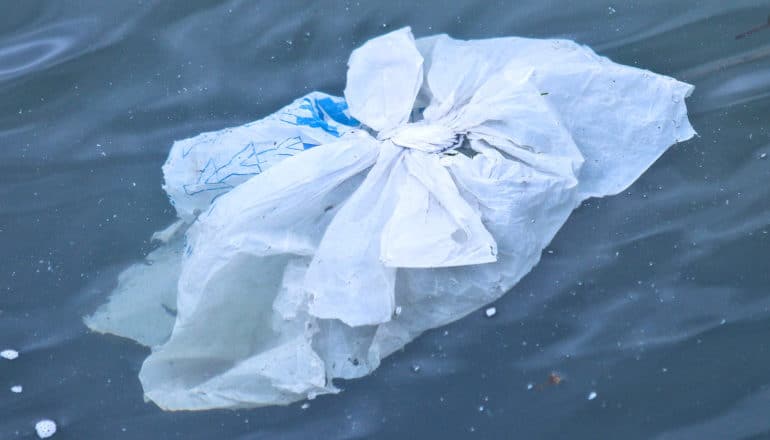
[(435, 192)]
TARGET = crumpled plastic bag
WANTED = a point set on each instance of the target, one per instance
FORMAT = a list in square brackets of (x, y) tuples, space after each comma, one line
[(323, 238)]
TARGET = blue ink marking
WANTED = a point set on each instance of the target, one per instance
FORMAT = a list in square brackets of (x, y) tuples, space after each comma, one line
[(319, 110), (246, 162), (315, 113), (293, 143), (316, 118), (336, 111)]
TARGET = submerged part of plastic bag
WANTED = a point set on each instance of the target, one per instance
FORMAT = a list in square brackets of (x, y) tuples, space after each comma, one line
[(431, 196)]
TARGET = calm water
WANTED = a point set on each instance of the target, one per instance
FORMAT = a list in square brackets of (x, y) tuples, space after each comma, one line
[(658, 300)]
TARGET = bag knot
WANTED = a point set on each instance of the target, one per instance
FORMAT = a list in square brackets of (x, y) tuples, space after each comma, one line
[(422, 136)]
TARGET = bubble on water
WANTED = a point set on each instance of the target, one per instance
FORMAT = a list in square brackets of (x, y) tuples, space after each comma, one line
[(17, 389), (490, 312), (45, 428), (305, 405), (592, 395)]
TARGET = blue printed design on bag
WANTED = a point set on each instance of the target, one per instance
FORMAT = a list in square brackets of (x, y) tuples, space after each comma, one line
[(221, 173), (320, 111), (246, 162), (336, 111)]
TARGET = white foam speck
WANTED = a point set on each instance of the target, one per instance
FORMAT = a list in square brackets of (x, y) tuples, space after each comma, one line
[(9, 354), (45, 428), (592, 395), (17, 389), (490, 312)]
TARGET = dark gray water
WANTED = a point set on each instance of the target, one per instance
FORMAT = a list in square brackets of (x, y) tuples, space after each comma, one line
[(658, 300)]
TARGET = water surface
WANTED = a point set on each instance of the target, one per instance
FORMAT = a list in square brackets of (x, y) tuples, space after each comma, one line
[(656, 299)]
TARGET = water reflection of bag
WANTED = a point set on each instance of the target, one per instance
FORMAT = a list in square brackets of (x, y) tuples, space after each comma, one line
[(468, 157)]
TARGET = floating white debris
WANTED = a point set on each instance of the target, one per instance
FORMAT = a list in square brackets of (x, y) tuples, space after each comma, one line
[(293, 232), (416, 368), (530, 386), (592, 395), (17, 389), (305, 405), (9, 354), (763, 156), (45, 428), (490, 312)]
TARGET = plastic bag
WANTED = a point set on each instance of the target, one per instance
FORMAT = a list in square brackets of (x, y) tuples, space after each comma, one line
[(429, 197)]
